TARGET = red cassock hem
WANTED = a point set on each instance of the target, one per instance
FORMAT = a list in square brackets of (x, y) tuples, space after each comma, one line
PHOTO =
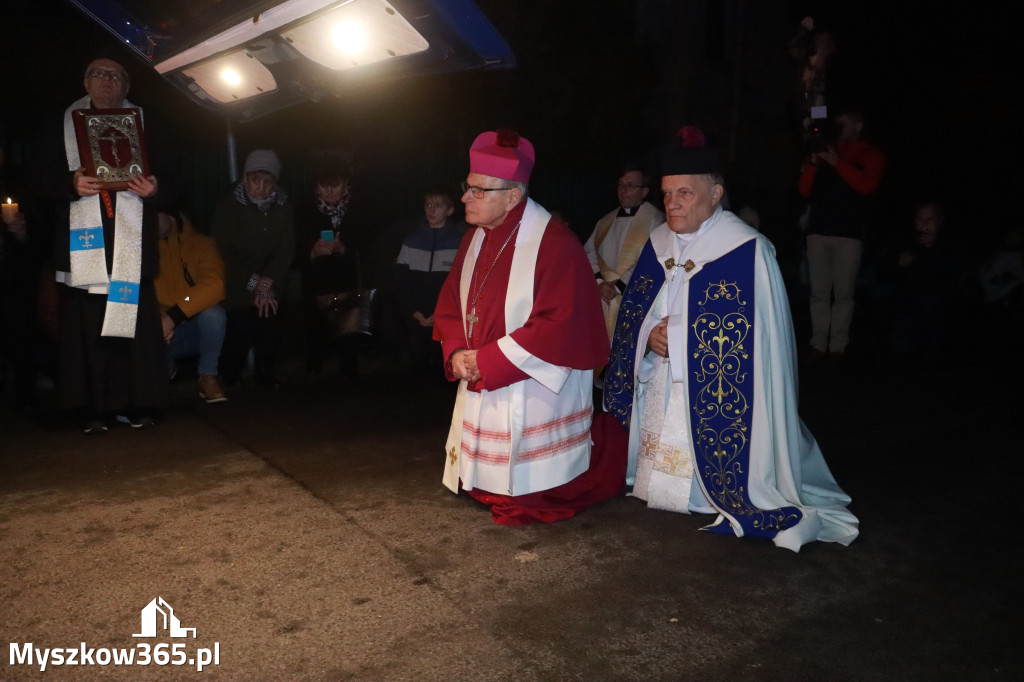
[(604, 479)]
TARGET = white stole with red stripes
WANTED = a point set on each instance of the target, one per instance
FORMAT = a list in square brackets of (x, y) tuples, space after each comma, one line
[(532, 435)]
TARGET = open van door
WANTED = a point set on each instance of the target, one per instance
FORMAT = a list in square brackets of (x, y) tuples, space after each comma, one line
[(246, 58)]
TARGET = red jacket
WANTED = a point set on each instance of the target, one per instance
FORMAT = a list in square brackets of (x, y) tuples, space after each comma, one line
[(840, 196), (860, 166)]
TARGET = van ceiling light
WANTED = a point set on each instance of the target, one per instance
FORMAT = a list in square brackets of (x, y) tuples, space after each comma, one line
[(269, 20), (232, 77), (297, 50), (350, 37), (355, 34)]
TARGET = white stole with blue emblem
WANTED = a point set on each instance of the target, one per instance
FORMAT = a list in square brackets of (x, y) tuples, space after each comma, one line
[(88, 251)]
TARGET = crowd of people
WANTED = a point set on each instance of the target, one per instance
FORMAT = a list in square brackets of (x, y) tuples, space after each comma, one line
[(126, 289), (657, 357)]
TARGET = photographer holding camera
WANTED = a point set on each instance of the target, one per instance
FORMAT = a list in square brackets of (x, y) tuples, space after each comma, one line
[(838, 181)]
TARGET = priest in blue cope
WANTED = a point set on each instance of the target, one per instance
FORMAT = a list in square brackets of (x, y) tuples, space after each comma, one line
[(703, 373)]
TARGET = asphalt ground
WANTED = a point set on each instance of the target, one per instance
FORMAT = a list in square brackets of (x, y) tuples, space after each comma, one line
[(305, 534)]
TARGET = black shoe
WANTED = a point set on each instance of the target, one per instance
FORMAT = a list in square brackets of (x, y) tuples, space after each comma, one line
[(137, 421), (95, 427)]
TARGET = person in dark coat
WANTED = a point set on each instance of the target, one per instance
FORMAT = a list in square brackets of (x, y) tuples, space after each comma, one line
[(20, 263), (254, 229), (925, 288), (332, 243)]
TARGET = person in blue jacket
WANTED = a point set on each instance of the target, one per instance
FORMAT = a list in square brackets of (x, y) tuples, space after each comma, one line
[(423, 263)]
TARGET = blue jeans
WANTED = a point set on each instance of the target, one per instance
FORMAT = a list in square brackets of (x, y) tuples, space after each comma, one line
[(202, 335)]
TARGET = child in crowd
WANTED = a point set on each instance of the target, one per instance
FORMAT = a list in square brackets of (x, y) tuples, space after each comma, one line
[(423, 263)]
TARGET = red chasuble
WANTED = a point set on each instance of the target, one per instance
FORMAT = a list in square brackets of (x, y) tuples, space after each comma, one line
[(565, 328)]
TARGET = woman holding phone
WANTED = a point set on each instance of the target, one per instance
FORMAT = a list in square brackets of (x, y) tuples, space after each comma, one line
[(329, 255)]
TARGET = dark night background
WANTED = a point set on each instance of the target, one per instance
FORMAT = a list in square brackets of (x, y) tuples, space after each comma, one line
[(599, 83)]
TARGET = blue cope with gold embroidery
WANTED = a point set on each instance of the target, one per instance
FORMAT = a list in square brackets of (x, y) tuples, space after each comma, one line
[(644, 285), (720, 379)]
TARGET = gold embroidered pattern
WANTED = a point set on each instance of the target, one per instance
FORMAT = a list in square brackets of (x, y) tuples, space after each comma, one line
[(618, 387), (664, 458), (719, 355)]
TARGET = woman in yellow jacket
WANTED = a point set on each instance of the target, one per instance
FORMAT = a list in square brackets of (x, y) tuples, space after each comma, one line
[(189, 288)]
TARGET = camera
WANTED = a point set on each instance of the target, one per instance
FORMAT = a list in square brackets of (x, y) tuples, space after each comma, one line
[(821, 135)]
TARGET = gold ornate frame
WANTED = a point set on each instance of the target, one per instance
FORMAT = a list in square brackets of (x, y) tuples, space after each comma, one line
[(111, 145)]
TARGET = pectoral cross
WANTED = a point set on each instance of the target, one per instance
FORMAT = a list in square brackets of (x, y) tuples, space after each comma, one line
[(472, 319)]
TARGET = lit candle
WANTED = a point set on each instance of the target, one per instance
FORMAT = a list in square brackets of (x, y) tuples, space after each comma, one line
[(10, 210)]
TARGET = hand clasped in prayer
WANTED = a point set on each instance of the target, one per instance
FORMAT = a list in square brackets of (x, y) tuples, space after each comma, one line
[(464, 365)]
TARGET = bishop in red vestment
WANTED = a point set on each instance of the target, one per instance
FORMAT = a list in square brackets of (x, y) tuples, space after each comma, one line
[(521, 328)]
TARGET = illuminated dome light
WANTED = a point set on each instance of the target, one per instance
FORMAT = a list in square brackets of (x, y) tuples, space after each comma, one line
[(350, 37), (355, 34), (231, 77)]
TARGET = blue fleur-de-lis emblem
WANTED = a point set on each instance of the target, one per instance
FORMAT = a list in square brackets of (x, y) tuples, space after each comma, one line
[(86, 238), (123, 292)]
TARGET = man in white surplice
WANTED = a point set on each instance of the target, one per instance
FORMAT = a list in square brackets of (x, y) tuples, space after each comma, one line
[(614, 246), (785, 491)]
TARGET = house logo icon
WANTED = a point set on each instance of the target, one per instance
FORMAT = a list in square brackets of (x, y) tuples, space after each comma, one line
[(151, 621)]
